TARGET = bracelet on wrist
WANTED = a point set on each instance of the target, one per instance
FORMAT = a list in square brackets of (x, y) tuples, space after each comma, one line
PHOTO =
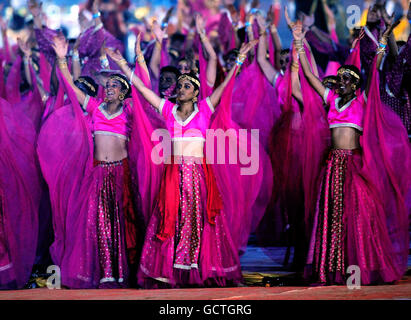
[(132, 75), (96, 15), (122, 62), (105, 63), (140, 58), (239, 62)]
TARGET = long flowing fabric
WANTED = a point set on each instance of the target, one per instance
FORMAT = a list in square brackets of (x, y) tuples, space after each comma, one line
[(67, 171), (145, 122), (317, 140), (244, 208), (20, 193), (13, 82), (376, 181), (386, 164)]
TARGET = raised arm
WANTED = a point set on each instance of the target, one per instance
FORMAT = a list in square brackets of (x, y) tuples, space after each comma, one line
[(392, 44), (140, 57), (75, 61), (381, 50), (148, 94), (264, 64), (212, 56), (60, 46), (156, 57), (36, 11), (295, 81), (216, 95), (312, 79)]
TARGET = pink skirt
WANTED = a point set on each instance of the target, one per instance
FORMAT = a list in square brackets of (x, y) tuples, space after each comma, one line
[(349, 227), (199, 254)]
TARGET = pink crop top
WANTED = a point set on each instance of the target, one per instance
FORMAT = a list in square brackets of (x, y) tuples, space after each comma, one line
[(194, 127), (349, 115), (104, 123)]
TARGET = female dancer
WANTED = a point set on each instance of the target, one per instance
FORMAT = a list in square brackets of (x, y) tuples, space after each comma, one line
[(353, 218), (104, 208), (187, 241)]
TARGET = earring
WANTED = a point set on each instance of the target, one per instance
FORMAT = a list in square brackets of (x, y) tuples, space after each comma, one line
[(353, 86), (105, 99), (121, 96), (194, 100)]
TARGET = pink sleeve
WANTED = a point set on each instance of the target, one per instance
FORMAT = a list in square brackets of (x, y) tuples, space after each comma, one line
[(329, 96), (206, 107), (166, 108), (90, 104)]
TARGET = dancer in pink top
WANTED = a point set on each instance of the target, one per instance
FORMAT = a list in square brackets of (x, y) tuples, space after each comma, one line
[(360, 218), (187, 242)]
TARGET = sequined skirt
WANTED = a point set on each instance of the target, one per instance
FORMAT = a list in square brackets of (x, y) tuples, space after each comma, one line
[(114, 207), (199, 253), (328, 241), (350, 230)]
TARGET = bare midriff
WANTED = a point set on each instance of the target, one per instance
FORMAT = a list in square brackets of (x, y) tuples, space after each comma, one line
[(188, 148), (109, 148), (345, 138)]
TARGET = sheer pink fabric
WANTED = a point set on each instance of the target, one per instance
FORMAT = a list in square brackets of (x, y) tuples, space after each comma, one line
[(20, 192)]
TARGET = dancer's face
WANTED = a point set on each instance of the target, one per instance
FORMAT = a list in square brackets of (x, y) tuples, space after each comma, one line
[(113, 90), (167, 79), (230, 62), (185, 91), (374, 14), (284, 59), (345, 84), (183, 67)]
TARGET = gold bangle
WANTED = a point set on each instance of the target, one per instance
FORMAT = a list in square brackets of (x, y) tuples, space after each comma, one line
[(203, 37), (242, 56), (262, 33), (383, 40), (380, 50), (122, 62), (140, 59), (158, 44), (62, 62)]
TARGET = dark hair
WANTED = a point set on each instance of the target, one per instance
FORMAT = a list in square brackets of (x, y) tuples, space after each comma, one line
[(354, 69), (234, 51), (123, 86), (328, 78), (177, 37), (401, 43), (193, 75), (331, 77), (285, 51), (81, 84), (170, 69)]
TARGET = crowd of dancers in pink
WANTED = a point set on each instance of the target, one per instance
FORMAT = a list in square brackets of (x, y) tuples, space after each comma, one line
[(88, 184)]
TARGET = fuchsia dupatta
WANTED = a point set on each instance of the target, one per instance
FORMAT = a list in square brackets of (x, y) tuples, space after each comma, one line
[(245, 197), (386, 166), (65, 150), (144, 121), (20, 188), (13, 82), (317, 141)]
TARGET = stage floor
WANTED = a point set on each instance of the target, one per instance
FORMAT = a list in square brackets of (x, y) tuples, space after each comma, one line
[(257, 263)]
